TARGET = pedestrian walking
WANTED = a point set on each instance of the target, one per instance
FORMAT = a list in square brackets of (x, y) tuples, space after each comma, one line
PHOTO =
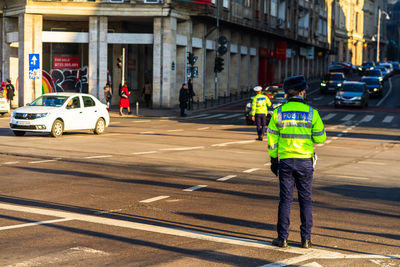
[(183, 99), (259, 111), (10, 91), (191, 94), (147, 91), (108, 95), (124, 101), (292, 131)]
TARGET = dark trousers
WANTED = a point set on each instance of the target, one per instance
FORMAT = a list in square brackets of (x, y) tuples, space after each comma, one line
[(293, 172), (261, 122)]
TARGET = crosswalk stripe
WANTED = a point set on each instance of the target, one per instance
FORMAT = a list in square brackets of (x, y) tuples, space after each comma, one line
[(231, 116), (198, 116), (367, 118), (214, 116), (348, 117), (329, 116), (388, 119)]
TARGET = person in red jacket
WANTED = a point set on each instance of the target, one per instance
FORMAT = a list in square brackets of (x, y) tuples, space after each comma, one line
[(124, 101)]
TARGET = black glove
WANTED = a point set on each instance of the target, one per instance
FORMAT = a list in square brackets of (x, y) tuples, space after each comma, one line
[(274, 165)]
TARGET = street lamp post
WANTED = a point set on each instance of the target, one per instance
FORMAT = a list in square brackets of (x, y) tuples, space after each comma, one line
[(378, 39)]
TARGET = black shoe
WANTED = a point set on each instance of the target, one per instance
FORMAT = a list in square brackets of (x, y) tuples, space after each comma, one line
[(129, 113), (279, 242), (259, 138), (306, 244)]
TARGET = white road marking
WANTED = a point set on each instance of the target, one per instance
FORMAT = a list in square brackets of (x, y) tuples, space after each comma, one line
[(233, 143), (329, 116), (154, 199), (107, 211), (231, 116), (115, 122), (11, 162), (181, 148), (340, 135), (267, 164), (141, 121), (44, 161), (197, 116), (144, 152), (98, 157), (195, 187), (170, 117), (351, 177), (318, 98), (372, 162), (214, 116), (289, 261), (319, 145), (310, 253), (176, 130), (388, 119), (367, 118), (203, 128), (251, 170), (330, 103), (226, 178), (335, 137), (348, 117), (33, 224), (312, 264), (327, 142), (148, 132), (388, 93)]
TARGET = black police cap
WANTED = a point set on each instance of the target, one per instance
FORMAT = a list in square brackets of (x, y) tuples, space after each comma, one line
[(297, 83)]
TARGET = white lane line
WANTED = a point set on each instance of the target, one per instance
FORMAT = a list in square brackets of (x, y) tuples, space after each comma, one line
[(312, 264), (231, 116), (181, 148), (388, 119), (319, 145), (226, 178), (388, 93), (251, 170), (195, 187), (176, 130), (44, 161), (367, 118), (115, 122), (290, 261), (144, 152), (141, 121), (372, 163), (148, 132), (311, 253), (318, 98), (340, 135), (348, 117), (34, 224), (98, 157), (170, 117), (11, 162), (197, 116), (233, 143), (335, 138), (329, 116), (153, 199), (203, 128), (214, 116), (351, 177)]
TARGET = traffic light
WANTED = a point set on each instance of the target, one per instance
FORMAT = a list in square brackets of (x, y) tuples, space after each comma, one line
[(222, 45), (191, 58), (219, 64), (119, 62)]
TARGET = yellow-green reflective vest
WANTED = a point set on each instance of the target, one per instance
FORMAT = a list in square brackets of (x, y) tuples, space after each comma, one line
[(293, 129), (260, 104)]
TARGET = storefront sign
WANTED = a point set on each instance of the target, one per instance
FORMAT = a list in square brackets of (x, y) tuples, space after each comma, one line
[(66, 63), (281, 51)]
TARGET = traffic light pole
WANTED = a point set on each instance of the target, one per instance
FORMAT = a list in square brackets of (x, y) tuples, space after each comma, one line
[(123, 67), (216, 53)]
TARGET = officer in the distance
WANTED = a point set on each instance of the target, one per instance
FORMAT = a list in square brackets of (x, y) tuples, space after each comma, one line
[(292, 131), (259, 111)]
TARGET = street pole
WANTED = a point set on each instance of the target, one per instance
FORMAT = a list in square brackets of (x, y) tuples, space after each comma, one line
[(216, 54), (378, 36), (123, 67)]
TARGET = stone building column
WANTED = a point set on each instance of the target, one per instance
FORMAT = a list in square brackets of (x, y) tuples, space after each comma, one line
[(9, 61), (198, 44), (97, 56), (30, 42), (165, 91)]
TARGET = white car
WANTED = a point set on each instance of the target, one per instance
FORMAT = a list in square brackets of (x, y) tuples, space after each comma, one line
[(4, 106), (56, 113)]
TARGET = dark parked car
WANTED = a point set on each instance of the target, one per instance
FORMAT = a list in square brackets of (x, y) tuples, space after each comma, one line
[(366, 66), (352, 94), (375, 73), (331, 82), (374, 85)]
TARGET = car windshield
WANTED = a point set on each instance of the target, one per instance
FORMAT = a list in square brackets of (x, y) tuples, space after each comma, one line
[(367, 64), (280, 95), (371, 81), (374, 73), (49, 101), (353, 88)]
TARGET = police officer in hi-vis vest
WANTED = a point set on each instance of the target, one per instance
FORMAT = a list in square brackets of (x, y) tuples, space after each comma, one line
[(292, 131), (259, 111)]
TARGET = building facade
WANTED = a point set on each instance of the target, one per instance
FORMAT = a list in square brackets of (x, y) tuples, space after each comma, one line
[(79, 45)]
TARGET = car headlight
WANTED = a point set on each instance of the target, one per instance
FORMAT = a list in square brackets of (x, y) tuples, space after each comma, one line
[(13, 114), (41, 115), (323, 84), (359, 68), (357, 98), (339, 84), (375, 89), (371, 68), (380, 79)]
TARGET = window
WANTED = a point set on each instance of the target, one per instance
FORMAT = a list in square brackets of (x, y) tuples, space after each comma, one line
[(74, 103), (88, 101), (274, 8)]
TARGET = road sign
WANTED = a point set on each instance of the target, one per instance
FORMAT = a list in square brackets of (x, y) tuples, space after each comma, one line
[(34, 66)]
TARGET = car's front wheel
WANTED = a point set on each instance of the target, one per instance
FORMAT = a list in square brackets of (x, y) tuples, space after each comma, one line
[(57, 128), (19, 133), (100, 126)]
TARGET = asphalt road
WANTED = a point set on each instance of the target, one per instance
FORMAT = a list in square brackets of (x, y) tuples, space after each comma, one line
[(197, 191)]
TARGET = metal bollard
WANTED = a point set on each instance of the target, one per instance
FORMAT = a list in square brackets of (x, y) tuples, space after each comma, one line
[(224, 97), (198, 104), (137, 108), (205, 103)]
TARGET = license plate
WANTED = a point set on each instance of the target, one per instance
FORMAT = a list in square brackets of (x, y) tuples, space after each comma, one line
[(23, 123)]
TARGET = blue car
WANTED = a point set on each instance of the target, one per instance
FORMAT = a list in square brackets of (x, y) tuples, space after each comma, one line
[(374, 86), (352, 94)]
